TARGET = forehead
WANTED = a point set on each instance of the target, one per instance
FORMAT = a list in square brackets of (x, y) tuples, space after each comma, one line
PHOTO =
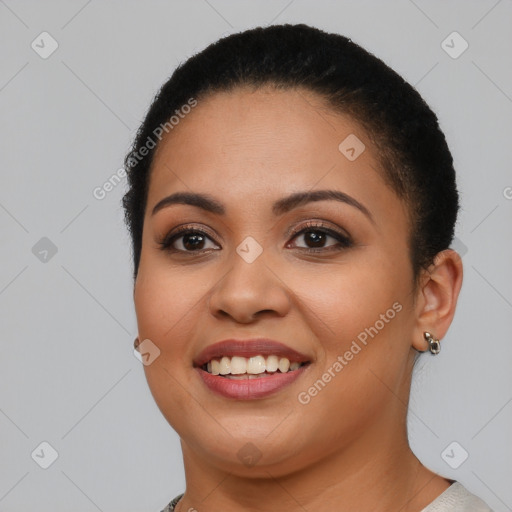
[(289, 122), (249, 144)]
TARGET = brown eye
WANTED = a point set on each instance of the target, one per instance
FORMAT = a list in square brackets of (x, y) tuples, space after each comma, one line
[(186, 240), (316, 236)]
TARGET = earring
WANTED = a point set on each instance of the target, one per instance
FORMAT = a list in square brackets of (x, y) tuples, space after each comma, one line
[(433, 343), (136, 342)]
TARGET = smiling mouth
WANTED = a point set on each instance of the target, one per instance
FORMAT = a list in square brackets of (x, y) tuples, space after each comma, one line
[(239, 368)]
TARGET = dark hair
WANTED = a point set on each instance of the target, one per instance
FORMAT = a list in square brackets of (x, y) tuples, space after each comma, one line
[(414, 155)]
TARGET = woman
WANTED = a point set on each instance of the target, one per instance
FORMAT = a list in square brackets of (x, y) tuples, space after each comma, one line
[(292, 202)]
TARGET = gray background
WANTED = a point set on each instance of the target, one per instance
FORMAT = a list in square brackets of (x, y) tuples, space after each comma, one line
[(68, 373)]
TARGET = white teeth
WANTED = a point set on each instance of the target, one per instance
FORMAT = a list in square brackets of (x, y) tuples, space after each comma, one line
[(238, 365), (272, 363), (284, 365), (252, 366), (256, 365), (225, 365), (215, 367)]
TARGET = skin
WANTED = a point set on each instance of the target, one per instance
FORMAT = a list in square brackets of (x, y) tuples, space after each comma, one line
[(347, 449)]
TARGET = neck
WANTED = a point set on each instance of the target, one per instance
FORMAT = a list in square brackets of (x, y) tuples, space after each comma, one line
[(377, 472)]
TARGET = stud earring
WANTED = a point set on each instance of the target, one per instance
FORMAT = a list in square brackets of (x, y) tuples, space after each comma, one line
[(433, 343)]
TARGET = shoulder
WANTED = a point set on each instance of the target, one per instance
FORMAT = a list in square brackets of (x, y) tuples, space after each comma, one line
[(172, 504), (457, 499)]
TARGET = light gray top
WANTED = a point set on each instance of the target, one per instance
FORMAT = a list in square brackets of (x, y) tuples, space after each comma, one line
[(455, 499)]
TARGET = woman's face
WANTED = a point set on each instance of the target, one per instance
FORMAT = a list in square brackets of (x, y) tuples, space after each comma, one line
[(330, 279)]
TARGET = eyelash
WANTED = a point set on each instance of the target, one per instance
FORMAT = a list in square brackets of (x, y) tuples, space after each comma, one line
[(344, 242)]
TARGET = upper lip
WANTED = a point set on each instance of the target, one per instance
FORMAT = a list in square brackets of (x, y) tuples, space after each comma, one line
[(248, 348)]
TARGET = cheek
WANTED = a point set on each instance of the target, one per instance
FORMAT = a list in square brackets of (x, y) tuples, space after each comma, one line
[(166, 305), (360, 318), (165, 300), (341, 301), (360, 314)]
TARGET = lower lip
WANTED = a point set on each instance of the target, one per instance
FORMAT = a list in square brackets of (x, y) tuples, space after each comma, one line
[(250, 389)]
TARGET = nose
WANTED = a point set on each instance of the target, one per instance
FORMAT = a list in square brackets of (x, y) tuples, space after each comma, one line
[(249, 291)]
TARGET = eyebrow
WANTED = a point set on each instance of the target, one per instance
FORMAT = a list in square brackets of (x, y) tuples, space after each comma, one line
[(280, 207)]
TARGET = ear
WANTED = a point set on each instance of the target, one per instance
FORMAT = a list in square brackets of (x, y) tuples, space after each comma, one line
[(436, 297)]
